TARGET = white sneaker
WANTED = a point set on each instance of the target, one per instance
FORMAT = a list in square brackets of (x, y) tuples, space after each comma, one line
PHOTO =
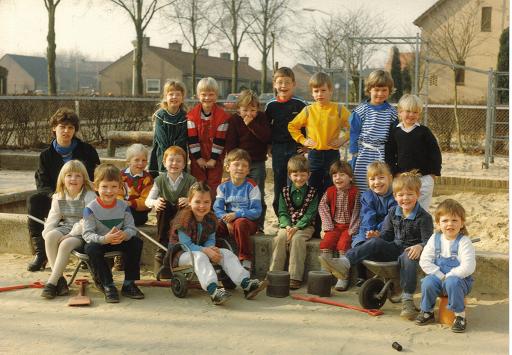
[(220, 296), (341, 285), (339, 267)]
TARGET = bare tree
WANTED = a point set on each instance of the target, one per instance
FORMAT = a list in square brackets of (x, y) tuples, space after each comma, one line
[(51, 6), (141, 16), (268, 18)]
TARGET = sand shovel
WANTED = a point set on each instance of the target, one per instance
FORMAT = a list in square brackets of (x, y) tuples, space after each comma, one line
[(81, 299)]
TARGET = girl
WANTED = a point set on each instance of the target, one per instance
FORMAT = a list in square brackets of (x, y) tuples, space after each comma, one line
[(170, 125), (63, 227), (195, 227), (448, 259)]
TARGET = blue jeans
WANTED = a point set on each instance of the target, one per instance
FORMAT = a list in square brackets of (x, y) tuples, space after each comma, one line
[(454, 287), (320, 162), (258, 173), (281, 153)]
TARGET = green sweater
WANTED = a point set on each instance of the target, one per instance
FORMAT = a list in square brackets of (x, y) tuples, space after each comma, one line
[(297, 196)]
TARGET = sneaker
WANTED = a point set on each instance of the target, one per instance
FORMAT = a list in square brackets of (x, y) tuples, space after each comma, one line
[(220, 296), (62, 287), (132, 291), (49, 291), (408, 310), (338, 267), (111, 294), (254, 287), (459, 324), (425, 318), (295, 284), (341, 285)]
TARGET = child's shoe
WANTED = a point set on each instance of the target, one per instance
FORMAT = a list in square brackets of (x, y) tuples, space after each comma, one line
[(295, 284), (459, 324), (132, 291), (408, 310), (62, 287), (111, 294), (220, 296), (341, 285), (49, 291), (338, 267), (253, 288), (425, 318)]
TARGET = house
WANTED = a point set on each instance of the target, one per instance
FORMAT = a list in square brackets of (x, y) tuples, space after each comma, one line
[(26, 73), (487, 19), (3, 80), (161, 64)]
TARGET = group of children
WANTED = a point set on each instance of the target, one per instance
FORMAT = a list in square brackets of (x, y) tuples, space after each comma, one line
[(359, 210)]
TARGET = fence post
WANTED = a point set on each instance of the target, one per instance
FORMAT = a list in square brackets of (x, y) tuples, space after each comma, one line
[(488, 120), (77, 108)]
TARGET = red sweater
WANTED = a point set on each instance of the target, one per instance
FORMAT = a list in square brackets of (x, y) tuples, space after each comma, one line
[(253, 138)]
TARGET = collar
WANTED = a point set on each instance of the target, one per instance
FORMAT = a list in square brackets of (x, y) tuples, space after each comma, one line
[(180, 176), (412, 215), (401, 125), (104, 205), (129, 172), (301, 189)]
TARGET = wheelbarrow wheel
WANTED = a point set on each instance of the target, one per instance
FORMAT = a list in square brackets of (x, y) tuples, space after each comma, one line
[(369, 294), (179, 286)]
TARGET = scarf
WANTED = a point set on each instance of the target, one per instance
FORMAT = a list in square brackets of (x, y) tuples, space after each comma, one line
[(65, 152)]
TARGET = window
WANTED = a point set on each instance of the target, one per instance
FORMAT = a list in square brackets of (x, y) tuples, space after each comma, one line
[(433, 80), (460, 74), (485, 24), (153, 86)]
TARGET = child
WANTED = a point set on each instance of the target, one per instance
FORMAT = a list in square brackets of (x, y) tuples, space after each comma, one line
[(238, 204), (448, 260), (63, 227), (170, 125), (195, 227), (413, 146), (137, 182), (250, 130), (63, 148), (207, 127), (169, 193), (370, 124), (339, 212), (326, 124), (405, 232), (280, 111), (298, 204), (108, 226)]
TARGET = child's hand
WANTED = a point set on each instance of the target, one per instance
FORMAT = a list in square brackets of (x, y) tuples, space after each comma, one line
[(113, 236), (210, 164), (309, 143), (322, 234), (290, 231), (229, 217), (213, 254), (269, 151), (160, 204), (182, 202), (337, 142), (248, 120), (201, 162), (372, 234), (414, 252)]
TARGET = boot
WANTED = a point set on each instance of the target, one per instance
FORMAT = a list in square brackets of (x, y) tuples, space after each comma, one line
[(40, 259), (161, 267)]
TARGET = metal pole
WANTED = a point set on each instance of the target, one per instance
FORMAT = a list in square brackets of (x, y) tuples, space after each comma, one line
[(416, 64), (77, 108), (485, 164), (360, 76), (347, 84), (426, 83)]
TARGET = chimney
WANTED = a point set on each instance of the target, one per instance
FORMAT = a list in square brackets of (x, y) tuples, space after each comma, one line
[(203, 51), (244, 60), (175, 46), (145, 42), (225, 55)]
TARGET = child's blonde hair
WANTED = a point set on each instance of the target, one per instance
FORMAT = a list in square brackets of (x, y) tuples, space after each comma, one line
[(73, 166), (237, 154), (107, 172), (452, 208), (283, 72), (378, 78), (248, 98), (340, 166), (409, 180), (207, 84), (378, 168), (410, 102), (173, 85), (198, 187), (320, 79), (174, 149), (136, 149), (298, 164)]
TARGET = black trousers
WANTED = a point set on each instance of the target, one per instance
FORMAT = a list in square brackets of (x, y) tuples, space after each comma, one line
[(38, 205)]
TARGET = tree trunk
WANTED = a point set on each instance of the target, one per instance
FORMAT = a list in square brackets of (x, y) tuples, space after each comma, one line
[(138, 63), (50, 52), (456, 113), (234, 71), (194, 61), (263, 83)]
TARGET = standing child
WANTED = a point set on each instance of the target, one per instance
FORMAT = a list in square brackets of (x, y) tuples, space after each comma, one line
[(405, 232), (339, 212), (170, 125), (448, 260), (298, 204), (370, 124), (169, 193), (108, 226), (238, 205), (250, 130), (413, 146), (195, 227), (280, 111), (207, 127), (326, 124), (63, 228)]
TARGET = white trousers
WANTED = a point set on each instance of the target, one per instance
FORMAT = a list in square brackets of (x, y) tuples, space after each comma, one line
[(426, 191)]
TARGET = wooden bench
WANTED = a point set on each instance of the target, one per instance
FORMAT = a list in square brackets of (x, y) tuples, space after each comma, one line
[(117, 138)]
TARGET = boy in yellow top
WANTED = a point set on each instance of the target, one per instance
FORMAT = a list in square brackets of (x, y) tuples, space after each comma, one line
[(327, 130)]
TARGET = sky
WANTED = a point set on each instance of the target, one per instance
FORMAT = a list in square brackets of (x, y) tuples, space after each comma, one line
[(102, 31)]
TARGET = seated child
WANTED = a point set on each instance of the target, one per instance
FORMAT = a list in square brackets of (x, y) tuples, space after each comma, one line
[(63, 228), (448, 260), (169, 193), (298, 204), (137, 182), (405, 232), (109, 226), (238, 205), (195, 227), (339, 212)]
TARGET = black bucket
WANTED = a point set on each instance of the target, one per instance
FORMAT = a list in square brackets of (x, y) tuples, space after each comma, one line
[(278, 284), (319, 283)]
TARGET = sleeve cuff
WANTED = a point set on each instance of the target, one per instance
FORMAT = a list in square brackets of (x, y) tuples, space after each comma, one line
[(439, 275)]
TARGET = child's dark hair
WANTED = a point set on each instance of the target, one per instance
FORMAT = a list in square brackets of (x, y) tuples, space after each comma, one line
[(283, 72), (237, 154), (409, 180), (298, 164), (320, 79), (107, 172), (453, 208), (378, 78), (340, 166), (198, 187), (64, 115)]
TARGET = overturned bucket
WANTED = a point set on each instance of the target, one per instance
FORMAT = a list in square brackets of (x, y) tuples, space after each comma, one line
[(319, 283), (278, 284)]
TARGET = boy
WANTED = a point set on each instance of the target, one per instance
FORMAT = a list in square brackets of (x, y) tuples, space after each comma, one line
[(238, 205), (326, 124), (250, 130), (405, 232), (108, 226), (280, 111), (64, 147), (298, 204), (207, 126), (413, 146)]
